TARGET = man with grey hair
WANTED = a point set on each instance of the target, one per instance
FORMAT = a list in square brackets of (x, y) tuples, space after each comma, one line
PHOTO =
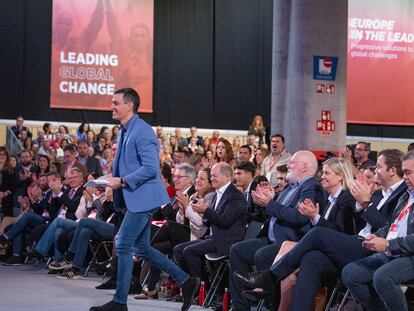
[(183, 179), (285, 222), (226, 217)]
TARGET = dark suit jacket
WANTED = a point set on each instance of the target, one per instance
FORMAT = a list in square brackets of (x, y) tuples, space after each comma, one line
[(43, 204), (228, 220), (380, 218), (8, 183), (254, 211), (342, 213), (93, 167), (292, 225), (64, 199)]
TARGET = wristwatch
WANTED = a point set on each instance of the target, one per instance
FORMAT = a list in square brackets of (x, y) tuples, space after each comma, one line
[(123, 184)]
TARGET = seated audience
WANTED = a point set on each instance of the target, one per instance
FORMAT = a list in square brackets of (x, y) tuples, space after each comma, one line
[(97, 226), (337, 180), (376, 280), (326, 251), (258, 158), (188, 226), (245, 153), (70, 162), (37, 213), (361, 152), (224, 152), (68, 202), (285, 222), (278, 156), (244, 179), (91, 163), (226, 217), (8, 183)]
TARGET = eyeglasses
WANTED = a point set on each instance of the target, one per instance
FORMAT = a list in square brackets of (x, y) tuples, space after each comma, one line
[(372, 168), (359, 149), (179, 176)]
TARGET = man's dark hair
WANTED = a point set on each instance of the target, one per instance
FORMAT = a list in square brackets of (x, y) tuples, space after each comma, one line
[(71, 148), (410, 147), (55, 174), (278, 135), (166, 172), (130, 95), (247, 147), (25, 151), (282, 169), (246, 166), (367, 146), (83, 142), (393, 158)]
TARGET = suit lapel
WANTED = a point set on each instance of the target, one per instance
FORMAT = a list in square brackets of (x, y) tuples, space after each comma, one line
[(396, 192), (223, 199), (333, 209)]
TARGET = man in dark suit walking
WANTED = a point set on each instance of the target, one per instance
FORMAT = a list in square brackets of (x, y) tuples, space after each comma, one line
[(226, 217), (139, 192), (285, 222)]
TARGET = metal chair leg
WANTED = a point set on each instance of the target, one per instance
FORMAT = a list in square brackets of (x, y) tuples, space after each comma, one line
[(224, 266)]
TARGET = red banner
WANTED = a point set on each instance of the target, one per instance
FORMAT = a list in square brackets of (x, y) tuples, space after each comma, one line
[(99, 46), (380, 62)]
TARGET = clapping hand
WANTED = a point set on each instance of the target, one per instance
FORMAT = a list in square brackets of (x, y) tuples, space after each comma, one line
[(361, 191), (346, 154), (199, 206), (182, 200), (263, 194), (307, 208)]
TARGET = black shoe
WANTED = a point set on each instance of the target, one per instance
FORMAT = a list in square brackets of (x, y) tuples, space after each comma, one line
[(13, 261), (189, 290), (35, 255), (109, 284), (3, 242), (261, 279), (110, 306)]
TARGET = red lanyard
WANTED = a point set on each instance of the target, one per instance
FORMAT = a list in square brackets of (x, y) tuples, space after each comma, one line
[(404, 212)]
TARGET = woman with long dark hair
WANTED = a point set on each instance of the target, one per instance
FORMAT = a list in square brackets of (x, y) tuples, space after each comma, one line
[(8, 183)]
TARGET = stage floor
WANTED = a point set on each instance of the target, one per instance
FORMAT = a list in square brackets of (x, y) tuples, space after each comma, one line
[(30, 288)]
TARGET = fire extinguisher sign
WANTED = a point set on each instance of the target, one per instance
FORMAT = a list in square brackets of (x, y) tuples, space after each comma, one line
[(325, 125)]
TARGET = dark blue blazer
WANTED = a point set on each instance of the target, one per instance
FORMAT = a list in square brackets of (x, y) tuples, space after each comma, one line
[(291, 225), (228, 220), (379, 218)]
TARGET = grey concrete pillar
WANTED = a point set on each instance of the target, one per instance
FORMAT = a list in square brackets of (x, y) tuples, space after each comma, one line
[(303, 29)]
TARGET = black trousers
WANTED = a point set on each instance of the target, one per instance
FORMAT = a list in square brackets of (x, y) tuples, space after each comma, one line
[(192, 253)]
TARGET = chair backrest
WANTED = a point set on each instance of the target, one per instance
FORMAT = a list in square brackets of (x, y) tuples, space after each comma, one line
[(253, 229)]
